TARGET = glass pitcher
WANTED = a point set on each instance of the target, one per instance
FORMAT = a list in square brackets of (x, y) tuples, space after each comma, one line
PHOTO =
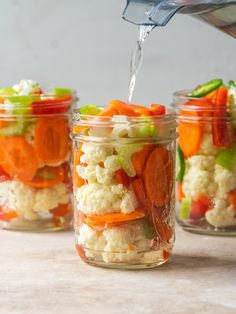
[(218, 13)]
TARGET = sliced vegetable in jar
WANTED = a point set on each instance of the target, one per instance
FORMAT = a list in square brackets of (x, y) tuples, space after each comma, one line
[(181, 165), (185, 208), (200, 207), (47, 177), (52, 139), (220, 133), (18, 158), (16, 128), (206, 88), (225, 158), (89, 110), (61, 91), (125, 154)]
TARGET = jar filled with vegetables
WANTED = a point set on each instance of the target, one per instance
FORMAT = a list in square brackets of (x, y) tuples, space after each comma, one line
[(206, 176), (123, 180), (35, 176)]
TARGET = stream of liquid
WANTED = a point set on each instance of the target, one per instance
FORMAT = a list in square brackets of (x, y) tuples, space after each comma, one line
[(137, 57)]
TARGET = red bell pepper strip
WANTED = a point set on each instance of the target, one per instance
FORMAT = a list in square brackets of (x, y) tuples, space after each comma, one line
[(219, 125), (200, 207)]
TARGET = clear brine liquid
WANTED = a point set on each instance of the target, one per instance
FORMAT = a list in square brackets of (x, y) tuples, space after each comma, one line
[(137, 56)]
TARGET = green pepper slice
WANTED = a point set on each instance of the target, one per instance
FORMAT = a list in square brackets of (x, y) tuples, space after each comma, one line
[(206, 88), (181, 165)]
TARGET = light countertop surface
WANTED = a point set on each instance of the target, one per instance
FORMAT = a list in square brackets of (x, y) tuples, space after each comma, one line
[(41, 273)]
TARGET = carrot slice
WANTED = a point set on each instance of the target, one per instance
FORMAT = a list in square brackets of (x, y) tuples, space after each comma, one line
[(123, 108), (46, 177), (61, 210), (108, 112), (8, 215), (190, 135), (52, 139), (114, 217), (156, 177), (162, 228), (139, 159), (139, 191), (18, 158)]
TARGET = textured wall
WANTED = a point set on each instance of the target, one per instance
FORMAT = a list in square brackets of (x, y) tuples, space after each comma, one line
[(86, 45)]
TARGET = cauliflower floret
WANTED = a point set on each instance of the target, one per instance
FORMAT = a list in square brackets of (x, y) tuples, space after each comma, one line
[(226, 181), (122, 128), (87, 173), (112, 163), (201, 162), (49, 198), (25, 87), (101, 199), (94, 154), (28, 201), (221, 215), (207, 147), (112, 243), (104, 176), (197, 180), (95, 174)]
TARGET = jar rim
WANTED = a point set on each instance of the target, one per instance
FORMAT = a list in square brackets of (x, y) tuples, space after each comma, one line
[(30, 104), (45, 95), (199, 113), (93, 120)]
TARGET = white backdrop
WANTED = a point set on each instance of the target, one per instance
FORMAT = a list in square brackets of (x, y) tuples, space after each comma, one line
[(86, 45)]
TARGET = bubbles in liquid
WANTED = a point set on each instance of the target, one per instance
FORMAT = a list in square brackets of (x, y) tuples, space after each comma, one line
[(137, 56)]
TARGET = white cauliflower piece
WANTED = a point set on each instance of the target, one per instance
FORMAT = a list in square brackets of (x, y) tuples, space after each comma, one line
[(95, 174), (104, 176), (207, 147), (102, 199), (117, 244), (94, 154), (122, 127), (201, 162), (112, 163), (226, 181), (87, 173), (25, 87), (28, 201), (199, 177), (221, 215), (125, 153), (49, 198)]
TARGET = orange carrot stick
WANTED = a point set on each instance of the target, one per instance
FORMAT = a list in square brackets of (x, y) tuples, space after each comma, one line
[(114, 217), (139, 159), (122, 108), (156, 177)]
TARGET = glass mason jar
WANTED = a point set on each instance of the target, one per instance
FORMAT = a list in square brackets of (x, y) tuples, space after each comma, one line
[(206, 174), (123, 181), (35, 176)]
